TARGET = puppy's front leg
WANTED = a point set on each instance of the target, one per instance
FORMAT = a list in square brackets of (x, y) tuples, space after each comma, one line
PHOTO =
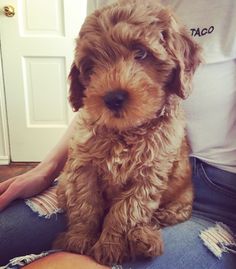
[(178, 210), (127, 231), (176, 201), (84, 210)]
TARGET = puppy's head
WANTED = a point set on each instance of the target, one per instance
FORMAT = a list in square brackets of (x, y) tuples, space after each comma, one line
[(130, 56)]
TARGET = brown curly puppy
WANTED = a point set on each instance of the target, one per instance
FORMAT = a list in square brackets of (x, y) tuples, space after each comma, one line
[(128, 171)]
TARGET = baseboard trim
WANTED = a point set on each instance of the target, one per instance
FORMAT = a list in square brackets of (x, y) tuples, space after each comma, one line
[(4, 160)]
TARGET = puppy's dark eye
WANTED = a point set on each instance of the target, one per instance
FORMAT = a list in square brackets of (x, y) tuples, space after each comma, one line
[(140, 53), (86, 68)]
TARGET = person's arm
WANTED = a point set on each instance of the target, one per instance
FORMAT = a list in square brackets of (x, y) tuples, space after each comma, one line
[(40, 177)]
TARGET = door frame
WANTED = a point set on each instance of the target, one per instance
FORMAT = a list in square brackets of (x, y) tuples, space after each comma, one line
[(4, 150)]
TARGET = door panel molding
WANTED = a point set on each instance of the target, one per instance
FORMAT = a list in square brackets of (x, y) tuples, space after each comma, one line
[(37, 53)]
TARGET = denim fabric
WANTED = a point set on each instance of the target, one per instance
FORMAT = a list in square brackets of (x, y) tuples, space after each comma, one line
[(19, 262), (23, 232), (215, 193), (184, 249)]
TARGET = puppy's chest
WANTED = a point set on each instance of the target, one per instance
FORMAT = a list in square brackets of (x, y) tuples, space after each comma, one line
[(116, 170), (117, 162), (124, 162)]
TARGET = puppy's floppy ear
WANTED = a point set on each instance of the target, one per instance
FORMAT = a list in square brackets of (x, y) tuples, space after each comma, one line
[(186, 53), (76, 91)]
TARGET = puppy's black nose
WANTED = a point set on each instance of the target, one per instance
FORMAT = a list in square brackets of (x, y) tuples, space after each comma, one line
[(115, 100)]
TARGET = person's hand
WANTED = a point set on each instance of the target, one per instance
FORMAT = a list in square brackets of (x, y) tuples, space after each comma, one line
[(25, 185), (40, 177)]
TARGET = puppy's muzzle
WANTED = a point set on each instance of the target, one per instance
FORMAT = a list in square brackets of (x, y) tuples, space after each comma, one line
[(116, 99)]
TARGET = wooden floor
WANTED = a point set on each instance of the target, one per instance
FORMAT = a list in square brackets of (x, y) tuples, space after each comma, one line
[(14, 169)]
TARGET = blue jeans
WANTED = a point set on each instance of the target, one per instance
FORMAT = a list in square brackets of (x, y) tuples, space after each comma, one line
[(23, 232)]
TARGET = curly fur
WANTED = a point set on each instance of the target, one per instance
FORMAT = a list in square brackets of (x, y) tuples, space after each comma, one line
[(128, 173)]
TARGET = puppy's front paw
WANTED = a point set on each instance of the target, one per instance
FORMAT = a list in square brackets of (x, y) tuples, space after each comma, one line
[(111, 250), (75, 243), (173, 214), (145, 241)]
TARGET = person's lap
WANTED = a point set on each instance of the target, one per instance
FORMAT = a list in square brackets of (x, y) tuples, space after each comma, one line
[(23, 232), (183, 248)]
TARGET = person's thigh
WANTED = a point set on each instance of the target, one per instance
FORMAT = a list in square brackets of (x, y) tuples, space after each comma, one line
[(183, 248), (23, 232)]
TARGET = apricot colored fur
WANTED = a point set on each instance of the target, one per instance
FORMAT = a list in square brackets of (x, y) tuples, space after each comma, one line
[(128, 172)]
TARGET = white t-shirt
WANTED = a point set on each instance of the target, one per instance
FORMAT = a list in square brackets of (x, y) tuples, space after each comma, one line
[(211, 108)]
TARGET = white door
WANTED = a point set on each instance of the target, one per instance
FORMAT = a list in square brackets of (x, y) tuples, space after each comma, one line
[(37, 46)]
